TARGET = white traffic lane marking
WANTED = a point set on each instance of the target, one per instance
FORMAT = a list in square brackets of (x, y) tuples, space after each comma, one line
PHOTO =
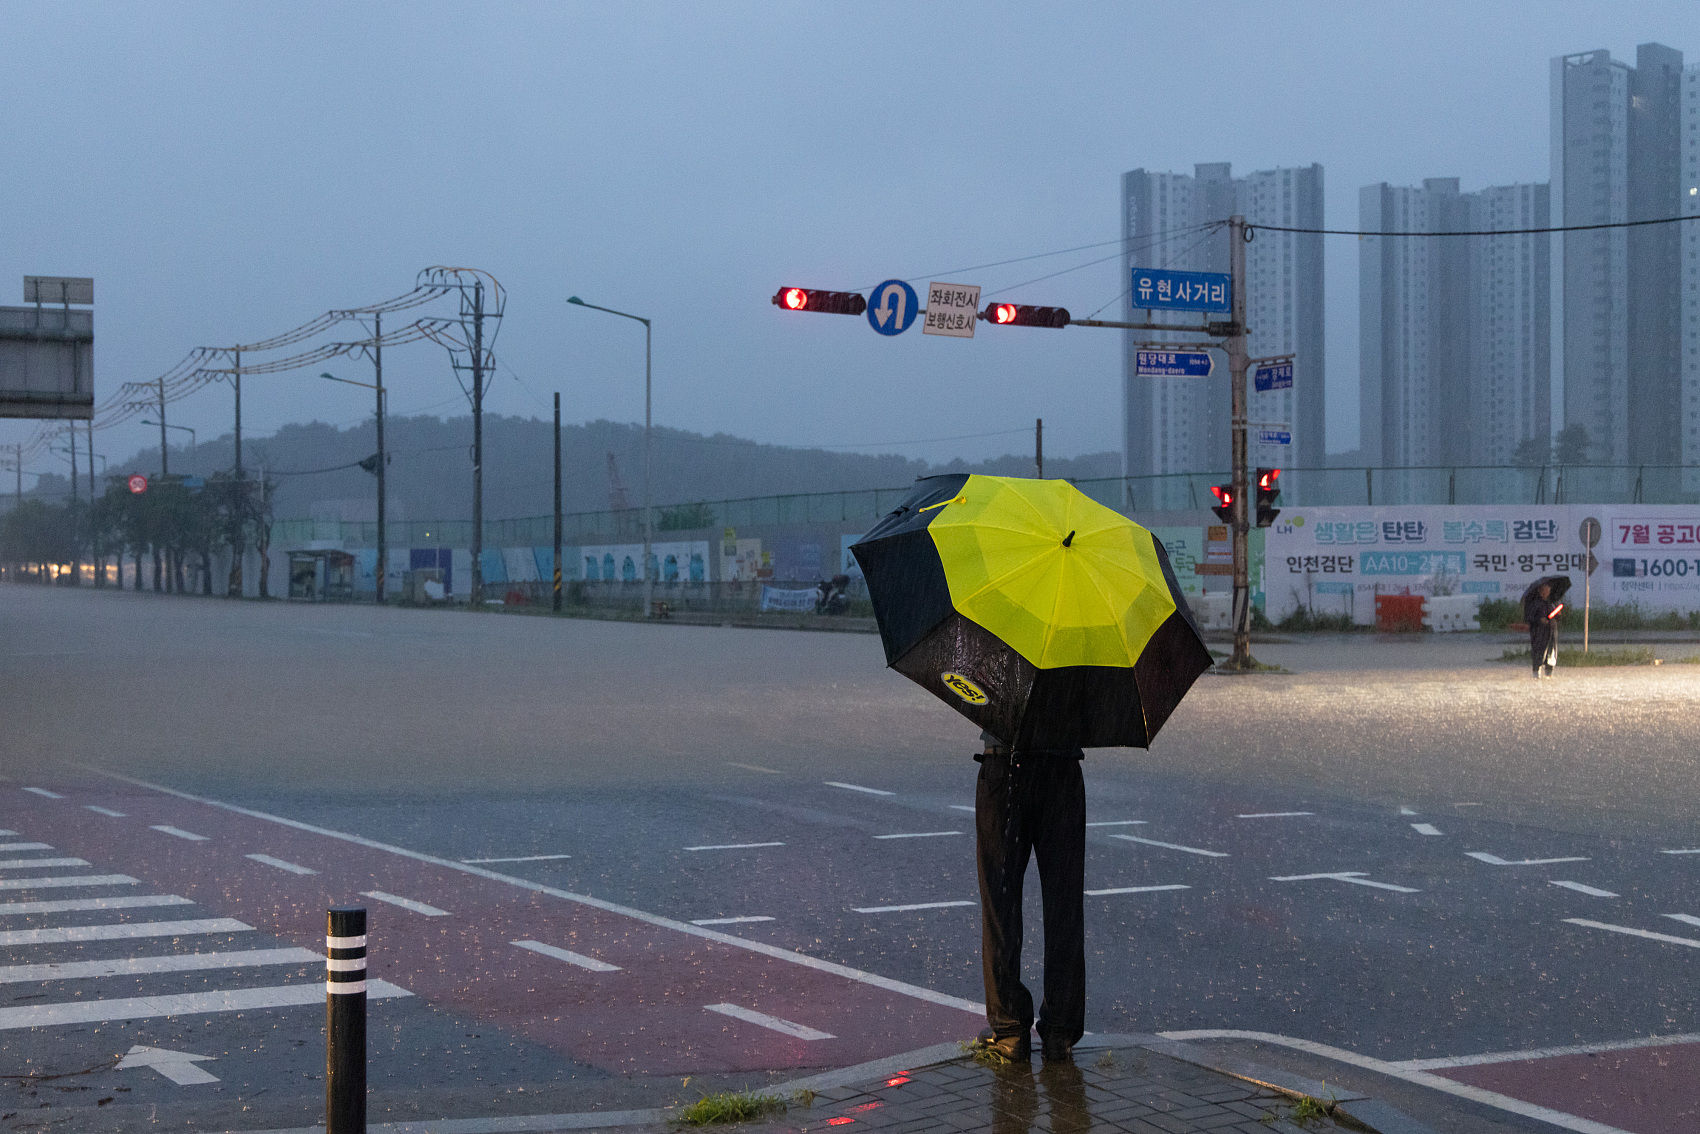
[(1591, 891), (1686, 919), (734, 846), (920, 835), (1685, 850), (281, 864), (772, 1023), (405, 903), (122, 931), (1353, 877), (1172, 846), (26, 863), (1118, 823), (857, 787), (1425, 828), (1275, 815), (106, 811), (1134, 890), (83, 905), (44, 793), (178, 1066), (1495, 860), (182, 1004), (754, 768), (906, 909), (728, 920), (1647, 933), (8, 834), (1537, 1053), (61, 882), (1406, 811), (521, 858), (568, 956), (169, 963), (25, 846), (970, 807), (178, 833)]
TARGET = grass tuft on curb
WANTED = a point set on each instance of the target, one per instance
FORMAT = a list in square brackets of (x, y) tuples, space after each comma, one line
[(730, 1106), (1627, 655)]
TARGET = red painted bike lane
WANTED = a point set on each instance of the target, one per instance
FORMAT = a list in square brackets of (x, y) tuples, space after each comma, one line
[(648, 1015), (1645, 1090)]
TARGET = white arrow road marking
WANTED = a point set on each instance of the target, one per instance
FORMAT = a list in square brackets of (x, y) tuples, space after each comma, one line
[(1355, 877), (178, 1066), (568, 956), (1134, 890), (406, 903), (884, 309), (774, 1023), (1689, 941), (1591, 891), (1172, 846), (1425, 828), (1495, 860)]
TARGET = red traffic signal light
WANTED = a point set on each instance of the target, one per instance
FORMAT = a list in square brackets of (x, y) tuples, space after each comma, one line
[(1023, 315), (1266, 479), (1224, 507), (1268, 492), (814, 299)]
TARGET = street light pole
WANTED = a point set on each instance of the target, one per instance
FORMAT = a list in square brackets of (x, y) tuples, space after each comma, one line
[(383, 543), (648, 526)]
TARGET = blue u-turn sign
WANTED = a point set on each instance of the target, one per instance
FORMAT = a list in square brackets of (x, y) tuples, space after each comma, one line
[(892, 306)]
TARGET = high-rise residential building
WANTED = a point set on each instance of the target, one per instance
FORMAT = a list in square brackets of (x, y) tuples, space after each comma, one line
[(1453, 331), (1688, 196), (1181, 425), (1616, 333)]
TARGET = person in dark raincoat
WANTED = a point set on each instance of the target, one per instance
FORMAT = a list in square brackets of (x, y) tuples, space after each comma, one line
[(1541, 613), (1031, 804)]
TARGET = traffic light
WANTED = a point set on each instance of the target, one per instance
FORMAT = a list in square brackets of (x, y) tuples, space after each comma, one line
[(1268, 492), (1224, 506), (1021, 315), (813, 299)]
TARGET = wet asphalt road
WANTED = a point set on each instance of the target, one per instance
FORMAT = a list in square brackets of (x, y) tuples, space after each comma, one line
[(1401, 848)]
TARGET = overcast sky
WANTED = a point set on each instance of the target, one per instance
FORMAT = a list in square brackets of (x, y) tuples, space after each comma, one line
[(226, 171)]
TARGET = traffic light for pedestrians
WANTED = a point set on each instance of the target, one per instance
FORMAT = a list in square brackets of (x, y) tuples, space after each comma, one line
[(1224, 506), (1268, 492), (814, 299), (1022, 315)]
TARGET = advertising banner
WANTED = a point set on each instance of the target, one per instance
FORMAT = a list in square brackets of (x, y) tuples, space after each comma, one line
[(773, 598)]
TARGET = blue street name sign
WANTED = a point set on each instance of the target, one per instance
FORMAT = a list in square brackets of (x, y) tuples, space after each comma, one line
[(1172, 363), (1277, 376), (1163, 290), (892, 306), (1274, 437)]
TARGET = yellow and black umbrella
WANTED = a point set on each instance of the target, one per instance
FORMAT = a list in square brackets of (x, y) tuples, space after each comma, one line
[(1039, 614)]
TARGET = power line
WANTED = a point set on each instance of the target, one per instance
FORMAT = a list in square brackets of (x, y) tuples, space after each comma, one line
[(1473, 232), (1156, 237)]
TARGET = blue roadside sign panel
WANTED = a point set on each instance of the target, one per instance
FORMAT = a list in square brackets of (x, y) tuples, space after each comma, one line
[(1276, 376), (1159, 289), (1172, 363), (892, 306), (1274, 437)]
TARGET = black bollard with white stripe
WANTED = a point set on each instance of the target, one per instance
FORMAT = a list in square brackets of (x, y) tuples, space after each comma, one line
[(345, 1021)]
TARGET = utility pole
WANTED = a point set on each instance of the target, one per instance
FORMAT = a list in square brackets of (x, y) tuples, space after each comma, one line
[(95, 548), (1039, 446), (383, 534), (477, 595), (1241, 519), (238, 548), (556, 606), (164, 468)]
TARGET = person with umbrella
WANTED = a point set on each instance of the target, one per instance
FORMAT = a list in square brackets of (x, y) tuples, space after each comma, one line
[(1541, 608), (1055, 625)]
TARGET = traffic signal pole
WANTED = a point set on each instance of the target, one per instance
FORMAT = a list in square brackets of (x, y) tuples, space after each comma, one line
[(1238, 359)]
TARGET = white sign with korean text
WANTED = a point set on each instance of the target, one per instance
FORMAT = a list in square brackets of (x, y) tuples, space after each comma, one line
[(952, 309)]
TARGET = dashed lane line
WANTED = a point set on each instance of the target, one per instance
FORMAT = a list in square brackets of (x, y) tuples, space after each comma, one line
[(1118, 823), (567, 955), (184, 1004), (754, 768), (169, 963), (1425, 828), (281, 864), (405, 903), (64, 881), (1352, 877), (106, 811), (122, 931), (30, 863), (178, 833), (1134, 890), (1276, 815), (920, 835), (906, 909), (857, 787), (1632, 932), (25, 846), (1685, 850), (1686, 919), (521, 858), (1173, 846), (970, 807), (1591, 891), (1495, 860), (733, 846), (84, 905), (729, 920), (44, 793), (772, 1023)]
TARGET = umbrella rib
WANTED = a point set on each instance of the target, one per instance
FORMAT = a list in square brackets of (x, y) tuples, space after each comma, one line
[(1121, 623)]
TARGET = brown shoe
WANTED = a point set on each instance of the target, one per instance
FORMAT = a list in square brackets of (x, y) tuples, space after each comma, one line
[(1012, 1048)]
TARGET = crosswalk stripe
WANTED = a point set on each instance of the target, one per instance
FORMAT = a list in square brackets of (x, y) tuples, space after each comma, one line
[(25, 846), (121, 931), (124, 902), (31, 863), (62, 881), (183, 1004), (169, 963)]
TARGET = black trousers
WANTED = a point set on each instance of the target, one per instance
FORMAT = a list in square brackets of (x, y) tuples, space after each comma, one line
[(1032, 804)]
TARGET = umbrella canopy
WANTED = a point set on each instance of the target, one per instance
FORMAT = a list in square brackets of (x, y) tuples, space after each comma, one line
[(1559, 584), (1039, 614)]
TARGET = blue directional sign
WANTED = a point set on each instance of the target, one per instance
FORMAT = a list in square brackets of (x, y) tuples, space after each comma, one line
[(892, 306), (1162, 290), (1275, 436), (1275, 376), (1172, 363)]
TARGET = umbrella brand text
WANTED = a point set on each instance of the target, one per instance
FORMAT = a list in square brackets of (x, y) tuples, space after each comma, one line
[(963, 688)]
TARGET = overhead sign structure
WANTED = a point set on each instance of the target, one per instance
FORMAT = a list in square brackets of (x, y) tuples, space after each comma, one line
[(1159, 289), (138, 483), (952, 309), (1173, 363), (1273, 376), (59, 289), (892, 306)]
